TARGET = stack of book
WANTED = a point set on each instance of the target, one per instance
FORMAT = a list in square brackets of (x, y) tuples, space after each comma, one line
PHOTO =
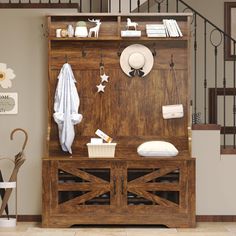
[(169, 28), (172, 28), (156, 30)]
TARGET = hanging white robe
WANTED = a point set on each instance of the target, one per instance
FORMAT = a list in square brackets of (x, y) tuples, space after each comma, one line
[(66, 105)]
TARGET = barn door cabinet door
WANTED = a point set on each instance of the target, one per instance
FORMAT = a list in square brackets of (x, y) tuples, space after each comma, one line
[(82, 187), (158, 191)]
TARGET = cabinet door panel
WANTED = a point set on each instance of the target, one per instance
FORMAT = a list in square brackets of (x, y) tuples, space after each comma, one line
[(81, 186), (162, 184)]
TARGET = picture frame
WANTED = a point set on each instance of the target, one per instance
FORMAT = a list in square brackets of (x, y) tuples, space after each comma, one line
[(8, 103), (230, 29)]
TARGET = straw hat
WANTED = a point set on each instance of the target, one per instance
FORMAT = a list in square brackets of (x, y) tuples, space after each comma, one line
[(136, 59)]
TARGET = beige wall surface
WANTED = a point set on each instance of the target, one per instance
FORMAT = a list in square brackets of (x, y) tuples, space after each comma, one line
[(24, 49)]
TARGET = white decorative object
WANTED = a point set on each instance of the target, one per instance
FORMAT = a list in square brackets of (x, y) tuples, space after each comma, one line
[(100, 88), (104, 136), (101, 150), (173, 111), (157, 148), (8, 103), (6, 75), (104, 78), (58, 33), (131, 24), (8, 221), (136, 59), (81, 30), (70, 31), (94, 30), (96, 140)]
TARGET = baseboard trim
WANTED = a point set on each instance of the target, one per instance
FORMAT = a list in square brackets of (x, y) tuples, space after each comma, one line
[(199, 218), (216, 218), (29, 218)]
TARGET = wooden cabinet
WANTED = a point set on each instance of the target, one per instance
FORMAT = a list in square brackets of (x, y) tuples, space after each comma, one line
[(126, 189), (119, 192)]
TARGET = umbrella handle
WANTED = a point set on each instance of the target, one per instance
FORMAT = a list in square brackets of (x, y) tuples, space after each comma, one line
[(26, 136)]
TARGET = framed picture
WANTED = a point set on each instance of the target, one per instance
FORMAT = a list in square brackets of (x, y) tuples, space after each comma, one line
[(230, 29), (8, 103)]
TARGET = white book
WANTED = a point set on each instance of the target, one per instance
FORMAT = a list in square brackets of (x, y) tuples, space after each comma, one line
[(156, 31), (178, 29), (176, 33), (156, 35), (166, 27), (155, 26), (130, 33)]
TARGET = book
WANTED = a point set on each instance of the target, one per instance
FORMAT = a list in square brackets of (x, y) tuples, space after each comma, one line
[(130, 33)]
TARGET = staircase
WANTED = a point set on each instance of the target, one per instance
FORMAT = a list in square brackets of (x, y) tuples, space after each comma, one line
[(214, 70)]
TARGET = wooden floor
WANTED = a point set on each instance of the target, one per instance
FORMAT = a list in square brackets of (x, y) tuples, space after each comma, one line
[(202, 229)]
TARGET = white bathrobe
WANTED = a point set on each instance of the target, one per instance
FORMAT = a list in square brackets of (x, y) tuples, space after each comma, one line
[(66, 105)]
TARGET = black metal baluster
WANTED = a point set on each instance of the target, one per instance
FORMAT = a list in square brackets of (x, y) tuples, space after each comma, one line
[(90, 6), (167, 5), (234, 108), (80, 6), (119, 6), (100, 5), (214, 119), (216, 108), (224, 86), (148, 6), (138, 3), (109, 9), (158, 7), (195, 65), (177, 5), (205, 69), (130, 6)]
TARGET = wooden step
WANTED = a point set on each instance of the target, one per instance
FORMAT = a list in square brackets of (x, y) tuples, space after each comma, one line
[(228, 149)]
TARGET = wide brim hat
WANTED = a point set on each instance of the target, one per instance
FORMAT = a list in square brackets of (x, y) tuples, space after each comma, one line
[(136, 58)]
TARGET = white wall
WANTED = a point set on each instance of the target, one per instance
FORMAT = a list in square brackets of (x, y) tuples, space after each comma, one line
[(24, 48), (215, 194)]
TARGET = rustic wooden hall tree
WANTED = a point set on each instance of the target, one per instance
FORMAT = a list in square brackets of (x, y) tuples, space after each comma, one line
[(127, 189)]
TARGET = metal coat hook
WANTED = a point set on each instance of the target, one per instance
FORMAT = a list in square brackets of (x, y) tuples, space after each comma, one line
[(26, 137), (45, 31), (66, 58), (154, 50), (101, 65), (172, 64), (83, 52), (119, 51)]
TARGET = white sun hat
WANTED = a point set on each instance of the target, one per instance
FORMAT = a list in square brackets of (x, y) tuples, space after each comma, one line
[(136, 59)]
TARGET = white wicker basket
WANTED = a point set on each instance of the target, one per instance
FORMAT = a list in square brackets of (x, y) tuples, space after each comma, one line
[(101, 150)]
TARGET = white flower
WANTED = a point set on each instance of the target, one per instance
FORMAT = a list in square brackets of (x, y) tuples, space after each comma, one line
[(6, 75)]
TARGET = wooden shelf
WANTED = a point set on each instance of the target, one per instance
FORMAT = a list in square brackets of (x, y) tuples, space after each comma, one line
[(112, 38)]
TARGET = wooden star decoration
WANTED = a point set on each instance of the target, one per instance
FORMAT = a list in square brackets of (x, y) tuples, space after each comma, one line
[(100, 88), (104, 78)]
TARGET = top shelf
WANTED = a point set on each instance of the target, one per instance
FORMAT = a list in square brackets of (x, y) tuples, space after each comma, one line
[(112, 25), (113, 38)]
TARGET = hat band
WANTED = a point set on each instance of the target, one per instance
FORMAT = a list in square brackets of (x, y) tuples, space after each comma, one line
[(137, 72)]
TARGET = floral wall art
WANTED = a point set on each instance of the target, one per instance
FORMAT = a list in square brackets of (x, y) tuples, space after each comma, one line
[(6, 76), (8, 101)]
